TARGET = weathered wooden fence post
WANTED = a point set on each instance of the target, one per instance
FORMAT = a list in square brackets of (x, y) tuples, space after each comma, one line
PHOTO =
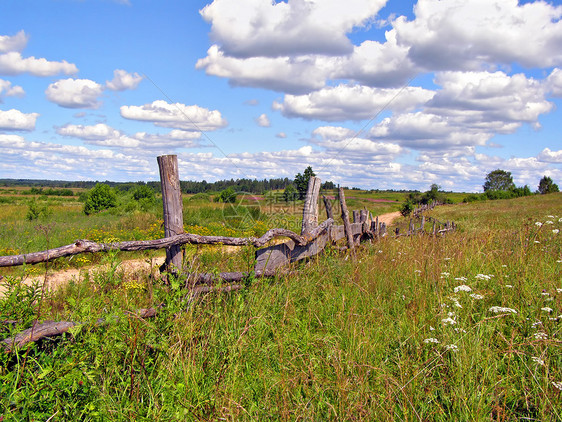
[(173, 208), (345, 218), (328, 206), (310, 209)]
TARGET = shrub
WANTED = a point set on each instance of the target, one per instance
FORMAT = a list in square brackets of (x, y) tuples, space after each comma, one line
[(37, 210), (406, 208), (227, 196), (290, 193), (143, 192), (100, 197)]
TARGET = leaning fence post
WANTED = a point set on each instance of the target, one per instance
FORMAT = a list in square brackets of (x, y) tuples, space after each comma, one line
[(173, 207), (345, 218), (310, 209), (328, 206)]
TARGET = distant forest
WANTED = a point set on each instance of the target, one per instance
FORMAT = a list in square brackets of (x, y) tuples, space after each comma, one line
[(239, 185), (190, 186)]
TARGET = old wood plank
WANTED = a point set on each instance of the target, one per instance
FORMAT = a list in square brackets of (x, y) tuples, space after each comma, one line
[(345, 218), (310, 208), (173, 207)]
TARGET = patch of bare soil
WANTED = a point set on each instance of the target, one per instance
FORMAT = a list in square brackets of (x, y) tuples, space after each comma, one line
[(389, 218)]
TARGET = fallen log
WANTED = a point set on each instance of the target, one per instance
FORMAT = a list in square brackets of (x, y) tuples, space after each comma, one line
[(56, 328), (87, 246)]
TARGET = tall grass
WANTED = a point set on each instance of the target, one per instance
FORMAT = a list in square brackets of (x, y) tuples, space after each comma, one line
[(381, 337)]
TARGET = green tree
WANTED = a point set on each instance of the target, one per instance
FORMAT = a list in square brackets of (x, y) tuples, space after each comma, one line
[(290, 194), (546, 185), (301, 181), (227, 196), (143, 192), (99, 198), (498, 180)]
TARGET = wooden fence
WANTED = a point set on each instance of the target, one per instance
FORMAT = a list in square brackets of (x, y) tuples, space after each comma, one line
[(269, 260)]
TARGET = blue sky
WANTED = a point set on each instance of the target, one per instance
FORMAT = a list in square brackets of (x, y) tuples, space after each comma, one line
[(370, 93)]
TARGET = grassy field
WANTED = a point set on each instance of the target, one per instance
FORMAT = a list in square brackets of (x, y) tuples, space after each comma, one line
[(461, 327)]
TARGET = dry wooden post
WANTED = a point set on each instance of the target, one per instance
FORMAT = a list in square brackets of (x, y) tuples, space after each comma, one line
[(411, 227), (328, 206), (356, 216), (377, 227), (173, 207), (434, 228), (383, 229), (422, 223), (345, 218), (310, 209)]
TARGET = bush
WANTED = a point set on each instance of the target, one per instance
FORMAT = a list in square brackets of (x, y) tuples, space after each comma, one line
[(37, 210), (100, 197), (406, 208), (290, 194), (144, 192), (227, 196)]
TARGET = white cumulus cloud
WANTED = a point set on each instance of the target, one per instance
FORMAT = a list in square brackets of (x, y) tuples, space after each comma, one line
[(75, 93), (13, 43), (345, 102), (263, 120), (9, 90), (465, 34), (177, 115), (123, 80), (16, 120), (250, 28)]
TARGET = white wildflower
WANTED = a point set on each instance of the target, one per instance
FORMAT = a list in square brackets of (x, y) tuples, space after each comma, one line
[(555, 231), (538, 224), (558, 290), (559, 261), (417, 271), (500, 309), (431, 328), (537, 360), (448, 321), (549, 299), (509, 286), (462, 288), (460, 330), (541, 336), (534, 324), (549, 222), (504, 266), (546, 309), (431, 340), (452, 347), (447, 259), (557, 385), (545, 294), (476, 296), (560, 220), (536, 241), (445, 274), (451, 314), (460, 278), (550, 216), (484, 276)]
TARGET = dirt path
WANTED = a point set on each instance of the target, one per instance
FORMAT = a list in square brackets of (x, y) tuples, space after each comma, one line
[(389, 218), (132, 266)]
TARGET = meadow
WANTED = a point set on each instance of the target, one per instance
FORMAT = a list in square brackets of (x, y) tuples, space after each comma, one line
[(465, 326)]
